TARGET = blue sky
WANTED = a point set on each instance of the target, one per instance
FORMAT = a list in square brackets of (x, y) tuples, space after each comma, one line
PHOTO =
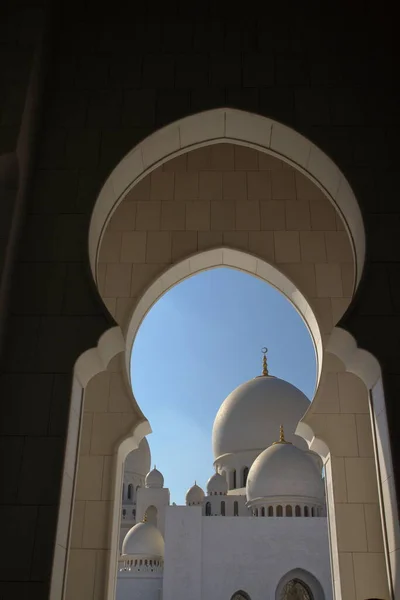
[(198, 342)]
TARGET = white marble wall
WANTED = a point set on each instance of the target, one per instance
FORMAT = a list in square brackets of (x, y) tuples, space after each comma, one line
[(139, 588), (183, 554), (215, 556)]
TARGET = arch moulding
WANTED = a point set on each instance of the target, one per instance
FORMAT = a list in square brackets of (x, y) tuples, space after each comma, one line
[(305, 577), (225, 125)]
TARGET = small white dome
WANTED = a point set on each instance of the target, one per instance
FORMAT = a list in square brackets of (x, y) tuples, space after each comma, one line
[(250, 416), (139, 461), (143, 540), (284, 470), (194, 495), (217, 485), (154, 479)]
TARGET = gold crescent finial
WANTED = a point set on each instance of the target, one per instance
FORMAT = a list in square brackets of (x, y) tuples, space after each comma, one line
[(145, 517), (265, 366)]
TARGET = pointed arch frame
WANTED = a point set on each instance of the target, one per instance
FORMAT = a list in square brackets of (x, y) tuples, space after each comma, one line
[(212, 127)]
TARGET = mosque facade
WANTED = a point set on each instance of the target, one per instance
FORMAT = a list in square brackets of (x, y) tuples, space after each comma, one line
[(259, 529)]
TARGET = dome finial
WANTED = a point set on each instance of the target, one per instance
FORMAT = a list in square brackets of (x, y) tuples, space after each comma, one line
[(145, 517), (265, 366), (281, 437)]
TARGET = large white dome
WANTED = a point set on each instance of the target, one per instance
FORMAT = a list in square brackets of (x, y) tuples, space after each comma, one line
[(139, 461), (250, 416), (143, 539), (284, 470)]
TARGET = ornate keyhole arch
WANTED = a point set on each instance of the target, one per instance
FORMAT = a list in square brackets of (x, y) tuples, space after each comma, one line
[(111, 357)]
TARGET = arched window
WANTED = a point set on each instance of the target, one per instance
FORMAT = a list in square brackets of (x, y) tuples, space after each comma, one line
[(123, 491), (208, 509), (234, 479), (240, 596), (223, 508), (297, 511), (263, 512), (296, 590), (289, 511), (152, 515), (124, 512), (256, 512), (235, 509), (306, 513), (312, 511), (245, 474), (270, 511), (279, 511), (130, 491)]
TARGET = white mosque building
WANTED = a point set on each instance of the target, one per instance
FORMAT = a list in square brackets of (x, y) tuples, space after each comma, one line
[(258, 532)]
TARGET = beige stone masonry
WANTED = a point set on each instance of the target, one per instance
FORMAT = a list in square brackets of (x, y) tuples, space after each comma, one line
[(234, 196), (339, 415), (109, 416)]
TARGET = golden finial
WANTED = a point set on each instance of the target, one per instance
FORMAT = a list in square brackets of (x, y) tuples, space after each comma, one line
[(281, 437), (145, 517), (265, 367)]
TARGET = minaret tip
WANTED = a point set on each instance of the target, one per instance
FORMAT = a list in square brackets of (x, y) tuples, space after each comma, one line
[(264, 363), (281, 437)]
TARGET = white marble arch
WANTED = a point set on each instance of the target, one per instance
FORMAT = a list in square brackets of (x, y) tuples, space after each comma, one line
[(340, 344), (227, 125)]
